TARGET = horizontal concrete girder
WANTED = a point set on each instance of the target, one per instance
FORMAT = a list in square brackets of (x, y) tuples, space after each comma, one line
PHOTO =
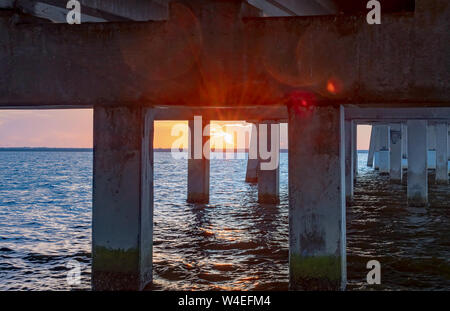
[(255, 113), (398, 114), (222, 60)]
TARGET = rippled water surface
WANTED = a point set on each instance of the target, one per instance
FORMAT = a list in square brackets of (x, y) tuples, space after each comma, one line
[(231, 243)]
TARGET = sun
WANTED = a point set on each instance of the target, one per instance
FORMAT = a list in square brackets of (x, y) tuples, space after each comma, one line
[(228, 138), (219, 136)]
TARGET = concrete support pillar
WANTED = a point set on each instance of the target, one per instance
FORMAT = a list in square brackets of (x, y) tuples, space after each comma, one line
[(384, 149), (376, 155), (448, 144), (122, 217), (355, 149), (396, 172), (404, 141), (376, 160), (269, 168), (349, 179), (431, 142), (417, 163), (371, 147), (198, 162), (441, 153), (253, 161), (317, 229), (404, 145)]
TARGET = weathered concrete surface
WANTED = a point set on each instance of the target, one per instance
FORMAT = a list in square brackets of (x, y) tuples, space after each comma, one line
[(396, 171), (349, 172), (441, 153), (198, 162), (251, 175), (217, 58), (417, 191), (269, 179), (317, 256), (122, 217)]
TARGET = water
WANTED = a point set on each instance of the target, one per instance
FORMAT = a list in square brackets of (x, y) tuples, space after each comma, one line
[(232, 243)]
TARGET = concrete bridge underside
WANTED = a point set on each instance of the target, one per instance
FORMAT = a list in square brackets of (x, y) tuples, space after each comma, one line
[(211, 60)]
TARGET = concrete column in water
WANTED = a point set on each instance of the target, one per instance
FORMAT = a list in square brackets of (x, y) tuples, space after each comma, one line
[(349, 180), (417, 163), (404, 145), (253, 162), (122, 217), (384, 149), (404, 141), (317, 229), (441, 153), (448, 144), (376, 155), (371, 147), (198, 162), (269, 159), (431, 142), (355, 149), (396, 172)]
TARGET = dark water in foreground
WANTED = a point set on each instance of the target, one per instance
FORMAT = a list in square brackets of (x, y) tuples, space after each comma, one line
[(232, 243)]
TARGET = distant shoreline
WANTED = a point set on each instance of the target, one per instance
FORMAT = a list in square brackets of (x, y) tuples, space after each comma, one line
[(45, 149)]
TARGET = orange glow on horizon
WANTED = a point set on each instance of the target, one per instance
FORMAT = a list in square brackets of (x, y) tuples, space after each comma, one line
[(220, 134)]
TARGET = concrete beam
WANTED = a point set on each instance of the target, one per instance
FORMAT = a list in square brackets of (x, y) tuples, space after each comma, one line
[(94, 11), (254, 113), (295, 7), (317, 234), (122, 211), (255, 61), (397, 114)]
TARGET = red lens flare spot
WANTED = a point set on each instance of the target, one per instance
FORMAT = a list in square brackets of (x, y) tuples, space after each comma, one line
[(302, 103)]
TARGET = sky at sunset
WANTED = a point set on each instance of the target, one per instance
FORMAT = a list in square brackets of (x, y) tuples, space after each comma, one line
[(73, 128)]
